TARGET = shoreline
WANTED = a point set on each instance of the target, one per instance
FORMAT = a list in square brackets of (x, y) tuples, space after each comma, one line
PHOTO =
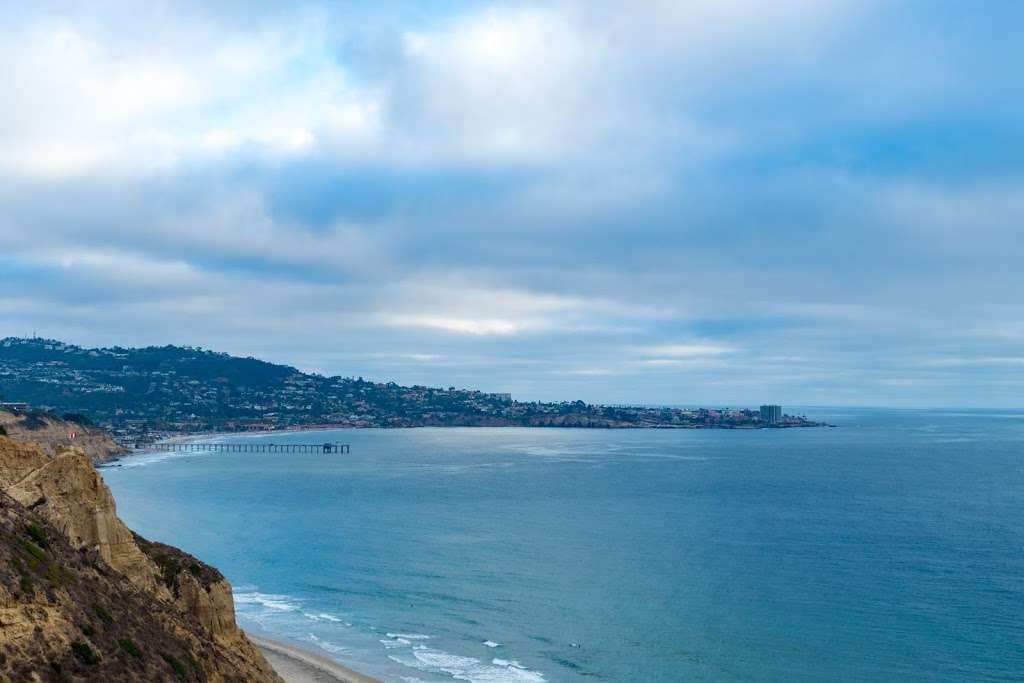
[(184, 437), (196, 436), (292, 663), (296, 665)]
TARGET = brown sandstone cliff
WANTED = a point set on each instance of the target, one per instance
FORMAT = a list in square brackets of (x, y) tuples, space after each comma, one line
[(53, 434), (78, 581)]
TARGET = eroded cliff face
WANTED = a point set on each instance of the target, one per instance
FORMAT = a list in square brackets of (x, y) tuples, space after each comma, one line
[(66, 501), (69, 493), (196, 588), (53, 435)]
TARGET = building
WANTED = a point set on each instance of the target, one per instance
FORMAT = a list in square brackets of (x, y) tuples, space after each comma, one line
[(771, 414)]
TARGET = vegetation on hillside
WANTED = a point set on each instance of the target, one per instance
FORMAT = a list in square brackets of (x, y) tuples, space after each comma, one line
[(183, 389)]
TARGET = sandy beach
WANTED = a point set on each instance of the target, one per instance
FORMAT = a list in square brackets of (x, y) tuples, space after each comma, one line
[(296, 665)]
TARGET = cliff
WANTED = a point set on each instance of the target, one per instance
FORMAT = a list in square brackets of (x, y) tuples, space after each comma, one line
[(53, 434), (83, 598)]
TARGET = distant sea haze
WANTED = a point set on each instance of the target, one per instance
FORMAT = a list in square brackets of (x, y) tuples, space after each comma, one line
[(888, 549)]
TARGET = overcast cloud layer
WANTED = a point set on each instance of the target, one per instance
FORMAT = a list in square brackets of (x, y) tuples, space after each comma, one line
[(713, 202)]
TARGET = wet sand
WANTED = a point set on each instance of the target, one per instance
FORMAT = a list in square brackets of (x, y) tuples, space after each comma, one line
[(296, 665)]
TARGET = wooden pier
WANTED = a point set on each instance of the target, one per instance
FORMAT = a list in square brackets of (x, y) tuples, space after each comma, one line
[(192, 447)]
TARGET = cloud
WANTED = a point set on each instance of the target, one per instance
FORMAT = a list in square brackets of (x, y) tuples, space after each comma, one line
[(459, 305), (686, 350), (81, 100), (508, 85), (477, 326), (702, 201)]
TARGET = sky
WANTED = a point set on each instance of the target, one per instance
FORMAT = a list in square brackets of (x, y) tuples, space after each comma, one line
[(714, 202)]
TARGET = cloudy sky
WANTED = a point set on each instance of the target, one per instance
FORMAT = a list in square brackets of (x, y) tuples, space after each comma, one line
[(668, 201)]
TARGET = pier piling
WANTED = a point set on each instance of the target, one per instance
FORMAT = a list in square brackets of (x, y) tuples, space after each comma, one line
[(325, 448)]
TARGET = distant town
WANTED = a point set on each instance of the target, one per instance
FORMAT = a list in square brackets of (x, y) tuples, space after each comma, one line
[(148, 393)]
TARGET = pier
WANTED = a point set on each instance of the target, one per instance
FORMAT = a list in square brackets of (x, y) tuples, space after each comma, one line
[(188, 446)]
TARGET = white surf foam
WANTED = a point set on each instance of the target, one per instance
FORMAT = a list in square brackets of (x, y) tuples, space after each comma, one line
[(325, 645), (321, 616), (468, 669), (390, 643), (408, 636), (147, 459), (281, 603), (508, 662), (328, 617)]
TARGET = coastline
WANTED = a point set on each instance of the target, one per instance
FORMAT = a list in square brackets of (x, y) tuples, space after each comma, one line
[(197, 436), (296, 665), (292, 663), (185, 437)]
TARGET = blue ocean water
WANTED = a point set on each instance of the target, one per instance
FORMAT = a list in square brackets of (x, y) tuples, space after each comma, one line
[(890, 548)]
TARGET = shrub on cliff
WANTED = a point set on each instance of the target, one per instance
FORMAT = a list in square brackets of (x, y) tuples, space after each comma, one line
[(175, 664), (84, 653), (129, 646), (33, 421)]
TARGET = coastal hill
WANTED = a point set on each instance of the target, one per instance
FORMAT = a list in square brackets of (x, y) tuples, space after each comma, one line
[(52, 434), (138, 392), (83, 598)]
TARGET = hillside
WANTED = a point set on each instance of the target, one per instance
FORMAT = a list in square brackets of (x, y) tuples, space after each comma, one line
[(53, 434), (83, 599), (182, 389)]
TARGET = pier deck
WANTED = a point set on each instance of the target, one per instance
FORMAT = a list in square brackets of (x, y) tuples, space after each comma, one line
[(187, 446)]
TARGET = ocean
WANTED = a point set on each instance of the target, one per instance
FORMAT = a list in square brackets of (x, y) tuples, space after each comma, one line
[(888, 548)]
